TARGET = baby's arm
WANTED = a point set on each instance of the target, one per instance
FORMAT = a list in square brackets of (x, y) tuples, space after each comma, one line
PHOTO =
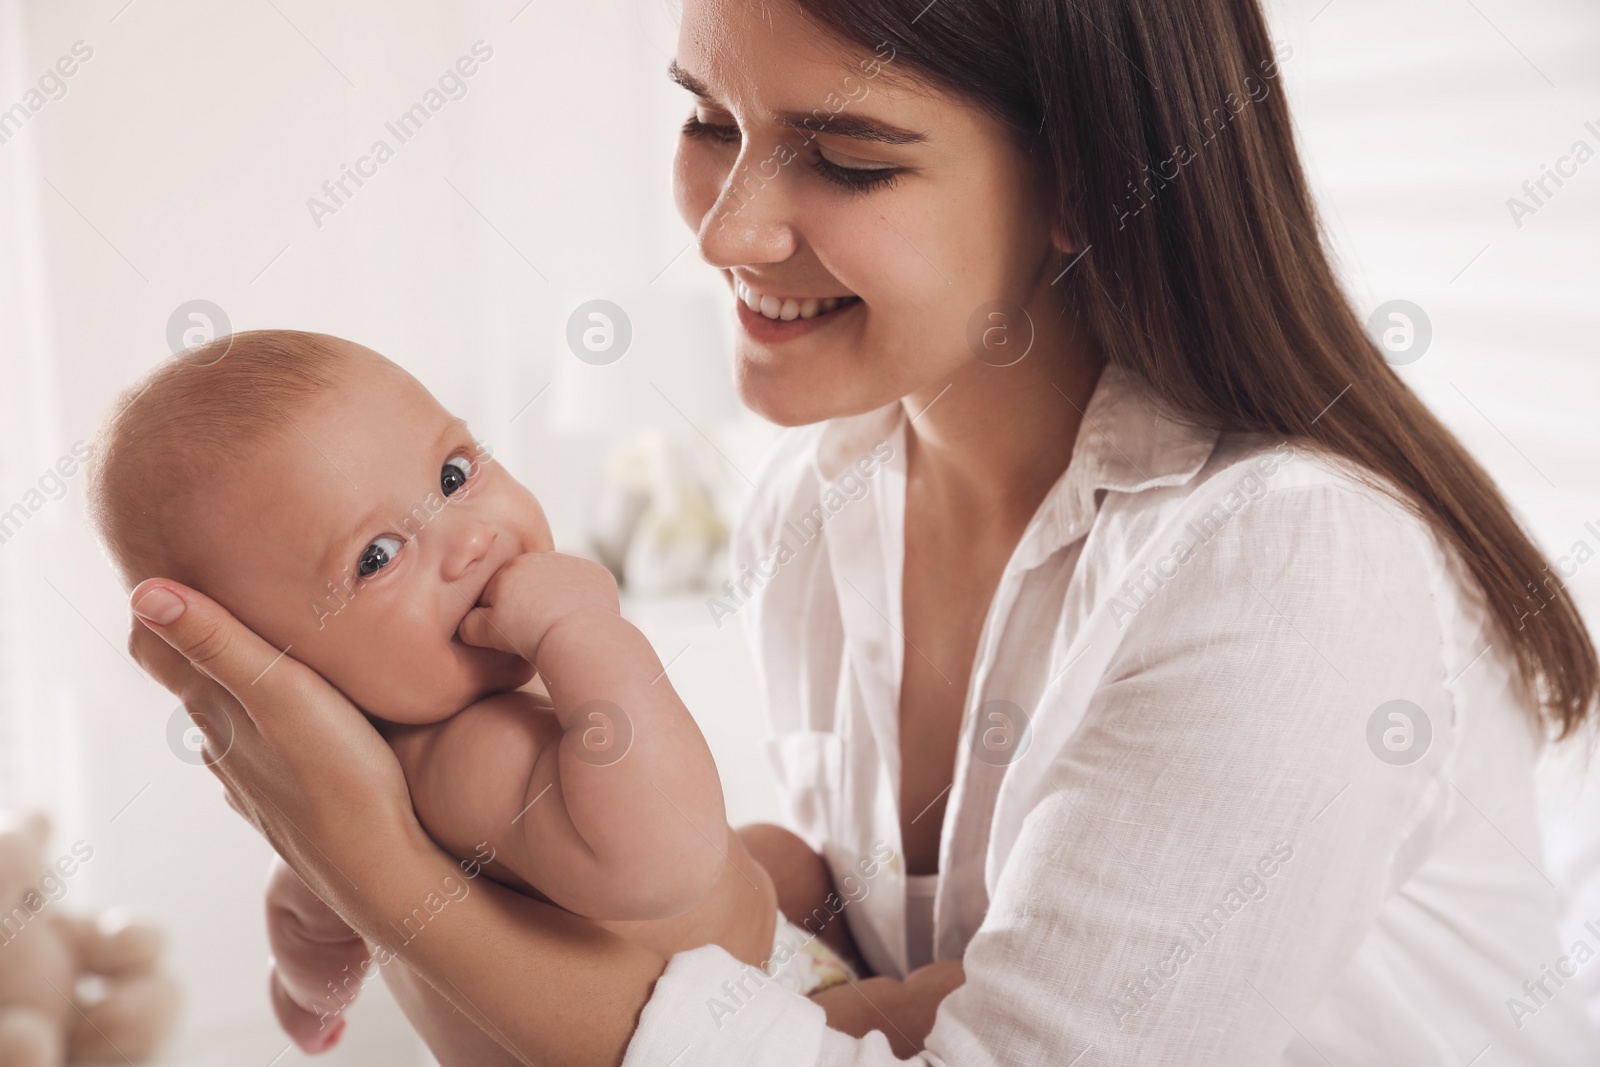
[(804, 886), (607, 801), (903, 1011)]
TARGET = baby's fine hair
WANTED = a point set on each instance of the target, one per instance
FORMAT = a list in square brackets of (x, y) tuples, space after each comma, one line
[(187, 422)]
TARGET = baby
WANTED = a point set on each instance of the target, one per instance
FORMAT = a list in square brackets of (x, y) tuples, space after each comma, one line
[(325, 497)]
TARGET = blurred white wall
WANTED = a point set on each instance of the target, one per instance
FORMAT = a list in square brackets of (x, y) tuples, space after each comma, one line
[(178, 164)]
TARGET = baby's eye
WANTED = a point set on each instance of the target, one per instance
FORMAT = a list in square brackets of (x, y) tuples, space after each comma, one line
[(378, 555), (455, 474)]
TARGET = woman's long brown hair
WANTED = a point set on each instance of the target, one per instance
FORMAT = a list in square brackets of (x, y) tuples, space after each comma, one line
[(1162, 128)]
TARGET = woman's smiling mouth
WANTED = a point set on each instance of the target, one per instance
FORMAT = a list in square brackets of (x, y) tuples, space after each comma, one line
[(789, 308), (769, 317)]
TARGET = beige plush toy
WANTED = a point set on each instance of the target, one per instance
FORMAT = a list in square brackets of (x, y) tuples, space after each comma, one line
[(50, 1014)]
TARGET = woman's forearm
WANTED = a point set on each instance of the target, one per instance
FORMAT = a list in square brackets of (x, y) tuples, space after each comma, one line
[(519, 969), (454, 1039)]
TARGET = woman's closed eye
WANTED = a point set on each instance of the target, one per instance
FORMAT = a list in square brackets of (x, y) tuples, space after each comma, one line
[(845, 171), (722, 133), (855, 174)]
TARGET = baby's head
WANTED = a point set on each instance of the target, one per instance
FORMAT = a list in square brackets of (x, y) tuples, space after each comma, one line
[(322, 495)]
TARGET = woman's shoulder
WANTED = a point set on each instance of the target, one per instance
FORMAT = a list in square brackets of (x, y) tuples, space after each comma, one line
[(1275, 526), (1265, 510), (1272, 488)]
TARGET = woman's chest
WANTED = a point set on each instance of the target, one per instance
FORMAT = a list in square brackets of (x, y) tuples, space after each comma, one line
[(947, 589)]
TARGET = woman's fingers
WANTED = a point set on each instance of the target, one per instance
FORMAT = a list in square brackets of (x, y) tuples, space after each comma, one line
[(213, 642), (202, 696), (298, 759)]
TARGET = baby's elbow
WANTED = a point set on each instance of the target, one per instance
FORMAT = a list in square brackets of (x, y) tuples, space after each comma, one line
[(703, 869), (673, 880)]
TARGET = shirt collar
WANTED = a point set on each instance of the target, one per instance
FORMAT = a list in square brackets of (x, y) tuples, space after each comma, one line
[(1126, 443), (1129, 442)]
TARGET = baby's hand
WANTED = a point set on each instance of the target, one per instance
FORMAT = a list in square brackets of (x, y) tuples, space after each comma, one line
[(318, 962), (532, 593)]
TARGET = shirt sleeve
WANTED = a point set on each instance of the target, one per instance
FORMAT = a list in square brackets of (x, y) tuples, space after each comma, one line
[(1219, 833)]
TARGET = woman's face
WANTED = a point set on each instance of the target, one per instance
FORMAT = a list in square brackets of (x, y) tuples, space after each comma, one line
[(817, 172)]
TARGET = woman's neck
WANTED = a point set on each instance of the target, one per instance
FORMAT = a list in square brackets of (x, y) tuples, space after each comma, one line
[(989, 442)]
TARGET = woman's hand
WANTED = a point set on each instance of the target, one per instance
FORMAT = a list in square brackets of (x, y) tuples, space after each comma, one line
[(297, 759), (307, 769)]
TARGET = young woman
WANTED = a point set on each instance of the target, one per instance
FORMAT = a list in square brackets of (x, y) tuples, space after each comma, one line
[(1126, 599)]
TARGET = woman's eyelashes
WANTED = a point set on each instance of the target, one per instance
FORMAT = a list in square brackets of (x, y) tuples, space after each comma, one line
[(710, 131), (855, 179)]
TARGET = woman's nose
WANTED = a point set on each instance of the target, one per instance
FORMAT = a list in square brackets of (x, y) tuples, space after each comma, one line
[(751, 221), (467, 543)]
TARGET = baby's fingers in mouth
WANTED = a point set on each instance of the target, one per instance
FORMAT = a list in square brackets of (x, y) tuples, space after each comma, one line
[(475, 629)]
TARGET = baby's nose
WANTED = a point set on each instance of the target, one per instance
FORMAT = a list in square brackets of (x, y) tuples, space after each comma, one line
[(469, 544)]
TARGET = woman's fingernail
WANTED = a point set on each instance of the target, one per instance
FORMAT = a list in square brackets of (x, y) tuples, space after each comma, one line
[(160, 606)]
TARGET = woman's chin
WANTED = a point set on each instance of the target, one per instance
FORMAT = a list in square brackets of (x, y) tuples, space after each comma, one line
[(793, 392)]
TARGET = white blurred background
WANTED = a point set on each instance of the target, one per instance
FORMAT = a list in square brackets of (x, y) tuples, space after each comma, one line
[(177, 164)]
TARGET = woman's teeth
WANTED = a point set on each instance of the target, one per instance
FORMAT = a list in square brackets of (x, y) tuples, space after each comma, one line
[(789, 308)]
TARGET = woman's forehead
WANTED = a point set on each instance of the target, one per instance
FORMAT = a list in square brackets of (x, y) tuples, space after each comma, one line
[(769, 57)]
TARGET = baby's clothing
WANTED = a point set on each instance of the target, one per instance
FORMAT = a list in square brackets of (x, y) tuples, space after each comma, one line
[(802, 963)]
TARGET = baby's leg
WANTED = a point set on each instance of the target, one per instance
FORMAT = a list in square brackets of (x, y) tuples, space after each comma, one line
[(803, 883), (319, 963)]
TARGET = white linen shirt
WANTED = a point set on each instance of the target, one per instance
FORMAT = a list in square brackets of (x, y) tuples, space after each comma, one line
[(1189, 822)]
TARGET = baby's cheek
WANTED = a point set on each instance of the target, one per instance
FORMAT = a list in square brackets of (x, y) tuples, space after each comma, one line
[(419, 681), (389, 665)]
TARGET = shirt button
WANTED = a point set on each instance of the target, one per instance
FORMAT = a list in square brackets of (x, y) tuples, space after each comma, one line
[(874, 651)]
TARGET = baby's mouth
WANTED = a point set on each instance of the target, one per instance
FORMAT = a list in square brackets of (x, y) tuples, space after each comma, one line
[(473, 603)]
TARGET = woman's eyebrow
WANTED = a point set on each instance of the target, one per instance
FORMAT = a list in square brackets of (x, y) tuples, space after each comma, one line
[(688, 81), (855, 127)]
